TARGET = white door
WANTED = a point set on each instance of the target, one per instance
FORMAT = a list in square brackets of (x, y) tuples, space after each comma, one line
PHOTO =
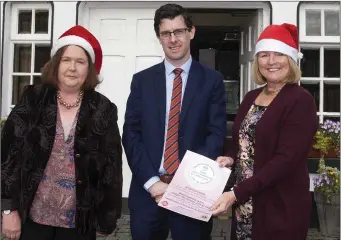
[(248, 37), (129, 45)]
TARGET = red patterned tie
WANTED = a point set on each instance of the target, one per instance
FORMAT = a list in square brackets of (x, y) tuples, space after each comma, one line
[(171, 157)]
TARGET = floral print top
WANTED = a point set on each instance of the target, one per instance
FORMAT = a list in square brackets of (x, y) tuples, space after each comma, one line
[(244, 168), (55, 200)]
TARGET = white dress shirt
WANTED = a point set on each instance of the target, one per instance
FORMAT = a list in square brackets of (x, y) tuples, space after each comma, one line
[(169, 90)]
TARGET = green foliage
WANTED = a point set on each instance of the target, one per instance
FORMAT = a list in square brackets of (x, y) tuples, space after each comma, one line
[(337, 147), (327, 138), (2, 122), (322, 142)]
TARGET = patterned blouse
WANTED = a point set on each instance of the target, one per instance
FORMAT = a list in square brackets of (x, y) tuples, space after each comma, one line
[(55, 200), (244, 168)]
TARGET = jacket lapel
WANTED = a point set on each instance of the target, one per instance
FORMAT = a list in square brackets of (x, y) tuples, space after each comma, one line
[(48, 108), (193, 81), (160, 91), (84, 113)]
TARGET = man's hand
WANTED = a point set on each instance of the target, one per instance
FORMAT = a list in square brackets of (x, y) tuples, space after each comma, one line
[(11, 226), (224, 202), (157, 190)]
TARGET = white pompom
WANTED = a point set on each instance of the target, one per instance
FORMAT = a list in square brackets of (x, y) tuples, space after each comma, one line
[(100, 77), (300, 55)]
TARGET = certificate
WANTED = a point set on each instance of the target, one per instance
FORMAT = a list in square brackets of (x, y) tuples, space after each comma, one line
[(196, 186)]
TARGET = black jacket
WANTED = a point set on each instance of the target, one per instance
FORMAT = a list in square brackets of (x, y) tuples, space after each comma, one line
[(27, 140)]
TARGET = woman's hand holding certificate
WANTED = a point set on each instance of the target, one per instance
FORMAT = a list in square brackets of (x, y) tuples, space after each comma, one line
[(196, 186)]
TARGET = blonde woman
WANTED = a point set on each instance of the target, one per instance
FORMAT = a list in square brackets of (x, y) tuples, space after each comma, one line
[(272, 136)]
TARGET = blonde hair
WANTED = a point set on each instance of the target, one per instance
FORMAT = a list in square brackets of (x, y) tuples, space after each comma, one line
[(294, 74)]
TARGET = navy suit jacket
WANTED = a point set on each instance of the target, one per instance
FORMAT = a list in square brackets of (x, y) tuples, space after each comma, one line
[(202, 126)]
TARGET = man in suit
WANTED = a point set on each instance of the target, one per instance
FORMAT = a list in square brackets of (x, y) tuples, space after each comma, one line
[(174, 106)]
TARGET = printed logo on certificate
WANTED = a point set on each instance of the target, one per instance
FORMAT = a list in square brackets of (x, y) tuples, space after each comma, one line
[(201, 176)]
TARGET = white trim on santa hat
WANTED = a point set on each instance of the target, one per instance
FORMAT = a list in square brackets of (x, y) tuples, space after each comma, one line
[(73, 40), (277, 46)]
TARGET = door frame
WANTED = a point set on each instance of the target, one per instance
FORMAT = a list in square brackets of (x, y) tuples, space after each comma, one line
[(83, 8), (246, 54)]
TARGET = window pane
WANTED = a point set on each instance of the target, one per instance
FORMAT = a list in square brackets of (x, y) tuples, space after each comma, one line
[(332, 23), (19, 82), (331, 97), (42, 21), (42, 55), (24, 21), (332, 63), (335, 119), (313, 23), (310, 64), (36, 80), (22, 58), (314, 90)]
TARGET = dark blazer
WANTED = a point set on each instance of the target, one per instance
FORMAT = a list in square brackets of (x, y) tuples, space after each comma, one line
[(26, 143), (202, 123), (280, 184)]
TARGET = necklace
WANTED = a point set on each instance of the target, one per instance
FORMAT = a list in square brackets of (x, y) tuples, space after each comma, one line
[(68, 105), (267, 92)]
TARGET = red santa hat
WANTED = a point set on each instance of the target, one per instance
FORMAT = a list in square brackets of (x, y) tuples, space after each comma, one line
[(280, 38), (81, 37)]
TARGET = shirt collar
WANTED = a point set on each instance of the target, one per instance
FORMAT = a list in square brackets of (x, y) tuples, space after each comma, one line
[(185, 67)]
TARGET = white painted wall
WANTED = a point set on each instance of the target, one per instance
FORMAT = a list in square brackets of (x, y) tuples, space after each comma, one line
[(1, 27), (1, 44), (64, 17), (4, 40), (284, 12)]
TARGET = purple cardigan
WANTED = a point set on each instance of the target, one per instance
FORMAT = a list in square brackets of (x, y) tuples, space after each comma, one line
[(280, 184)]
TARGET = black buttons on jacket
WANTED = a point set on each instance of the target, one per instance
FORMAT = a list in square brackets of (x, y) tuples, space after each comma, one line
[(78, 155), (79, 182)]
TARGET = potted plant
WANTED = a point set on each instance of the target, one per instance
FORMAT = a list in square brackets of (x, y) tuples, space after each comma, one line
[(327, 140), (327, 184), (327, 198)]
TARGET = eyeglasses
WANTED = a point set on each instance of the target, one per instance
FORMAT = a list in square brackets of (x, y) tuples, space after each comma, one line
[(177, 33)]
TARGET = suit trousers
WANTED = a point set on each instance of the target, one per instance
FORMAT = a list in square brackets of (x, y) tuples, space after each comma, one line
[(36, 231), (155, 223)]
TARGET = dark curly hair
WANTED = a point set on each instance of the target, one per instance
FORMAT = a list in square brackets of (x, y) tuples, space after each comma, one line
[(170, 11)]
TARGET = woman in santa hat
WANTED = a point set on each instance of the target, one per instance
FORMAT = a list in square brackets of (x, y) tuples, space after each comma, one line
[(61, 158), (272, 136)]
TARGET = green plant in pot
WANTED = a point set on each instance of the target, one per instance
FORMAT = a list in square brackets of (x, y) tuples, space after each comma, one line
[(327, 184), (327, 197)]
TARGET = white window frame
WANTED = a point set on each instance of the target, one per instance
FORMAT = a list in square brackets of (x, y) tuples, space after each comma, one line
[(27, 36), (13, 38), (319, 43), (317, 7)]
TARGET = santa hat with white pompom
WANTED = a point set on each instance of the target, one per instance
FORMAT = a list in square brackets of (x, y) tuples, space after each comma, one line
[(81, 37), (280, 38)]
